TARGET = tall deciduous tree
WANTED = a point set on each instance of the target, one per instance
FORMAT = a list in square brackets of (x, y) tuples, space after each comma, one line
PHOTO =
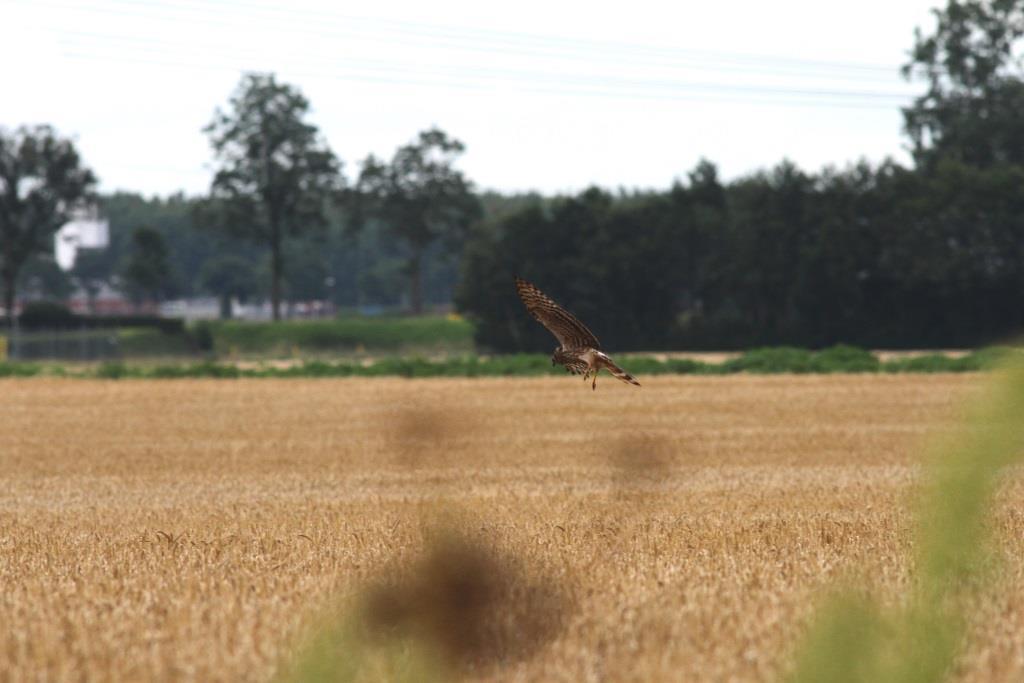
[(419, 197), (147, 271), (42, 181), (228, 276), (975, 73), (275, 172)]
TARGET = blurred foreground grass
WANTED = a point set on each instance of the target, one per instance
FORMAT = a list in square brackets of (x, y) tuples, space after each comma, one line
[(855, 639)]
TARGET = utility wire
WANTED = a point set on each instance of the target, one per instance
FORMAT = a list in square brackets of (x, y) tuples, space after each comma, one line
[(483, 40), (488, 37), (486, 75), (523, 87), (474, 77), (106, 38)]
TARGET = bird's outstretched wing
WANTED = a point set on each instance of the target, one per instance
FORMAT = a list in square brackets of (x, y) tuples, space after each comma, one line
[(570, 332)]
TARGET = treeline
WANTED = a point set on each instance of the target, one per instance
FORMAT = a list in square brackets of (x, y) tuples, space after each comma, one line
[(879, 256), (873, 256)]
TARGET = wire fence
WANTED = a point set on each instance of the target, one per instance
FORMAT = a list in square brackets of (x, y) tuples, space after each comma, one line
[(82, 344)]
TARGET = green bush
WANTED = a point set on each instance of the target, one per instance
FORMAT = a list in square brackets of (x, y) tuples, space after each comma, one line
[(202, 336), (843, 358), (991, 357), (148, 341), (111, 371), (429, 333), (47, 315), (839, 358), (195, 370), (19, 369), (170, 326), (935, 362), (772, 360), (646, 365)]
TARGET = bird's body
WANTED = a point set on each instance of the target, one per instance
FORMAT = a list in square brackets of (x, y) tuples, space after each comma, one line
[(579, 350)]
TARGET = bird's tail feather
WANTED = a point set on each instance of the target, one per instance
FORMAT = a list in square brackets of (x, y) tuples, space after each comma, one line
[(620, 373)]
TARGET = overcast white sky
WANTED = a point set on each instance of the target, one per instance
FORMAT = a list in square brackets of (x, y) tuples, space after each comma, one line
[(549, 96)]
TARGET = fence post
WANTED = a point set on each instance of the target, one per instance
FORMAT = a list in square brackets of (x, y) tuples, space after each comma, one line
[(12, 341)]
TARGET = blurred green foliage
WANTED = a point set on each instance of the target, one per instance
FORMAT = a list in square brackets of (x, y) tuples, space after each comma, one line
[(854, 640)]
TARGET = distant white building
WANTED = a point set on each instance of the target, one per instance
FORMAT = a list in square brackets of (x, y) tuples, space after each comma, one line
[(86, 231), (200, 308)]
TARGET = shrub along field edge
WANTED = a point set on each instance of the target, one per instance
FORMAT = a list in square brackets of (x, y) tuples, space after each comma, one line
[(376, 334), (777, 360)]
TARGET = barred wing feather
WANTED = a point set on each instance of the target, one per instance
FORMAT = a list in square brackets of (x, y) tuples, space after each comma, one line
[(570, 332)]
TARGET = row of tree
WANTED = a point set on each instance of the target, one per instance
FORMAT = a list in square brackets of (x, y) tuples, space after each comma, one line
[(277, 177), (876, 256)]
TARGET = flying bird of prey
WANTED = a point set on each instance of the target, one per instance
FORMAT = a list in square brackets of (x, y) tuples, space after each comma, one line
[(579, 350)]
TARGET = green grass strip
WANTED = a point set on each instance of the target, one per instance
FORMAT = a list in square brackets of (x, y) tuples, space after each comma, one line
[(778, 360)]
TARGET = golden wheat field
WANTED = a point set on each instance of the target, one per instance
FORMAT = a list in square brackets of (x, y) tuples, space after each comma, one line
[(196, 530)]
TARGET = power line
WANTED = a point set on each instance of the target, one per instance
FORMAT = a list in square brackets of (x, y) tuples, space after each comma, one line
[(767, 99), (472, 77), (235, 49), (488, 36), (487, 75), (484, 40)]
